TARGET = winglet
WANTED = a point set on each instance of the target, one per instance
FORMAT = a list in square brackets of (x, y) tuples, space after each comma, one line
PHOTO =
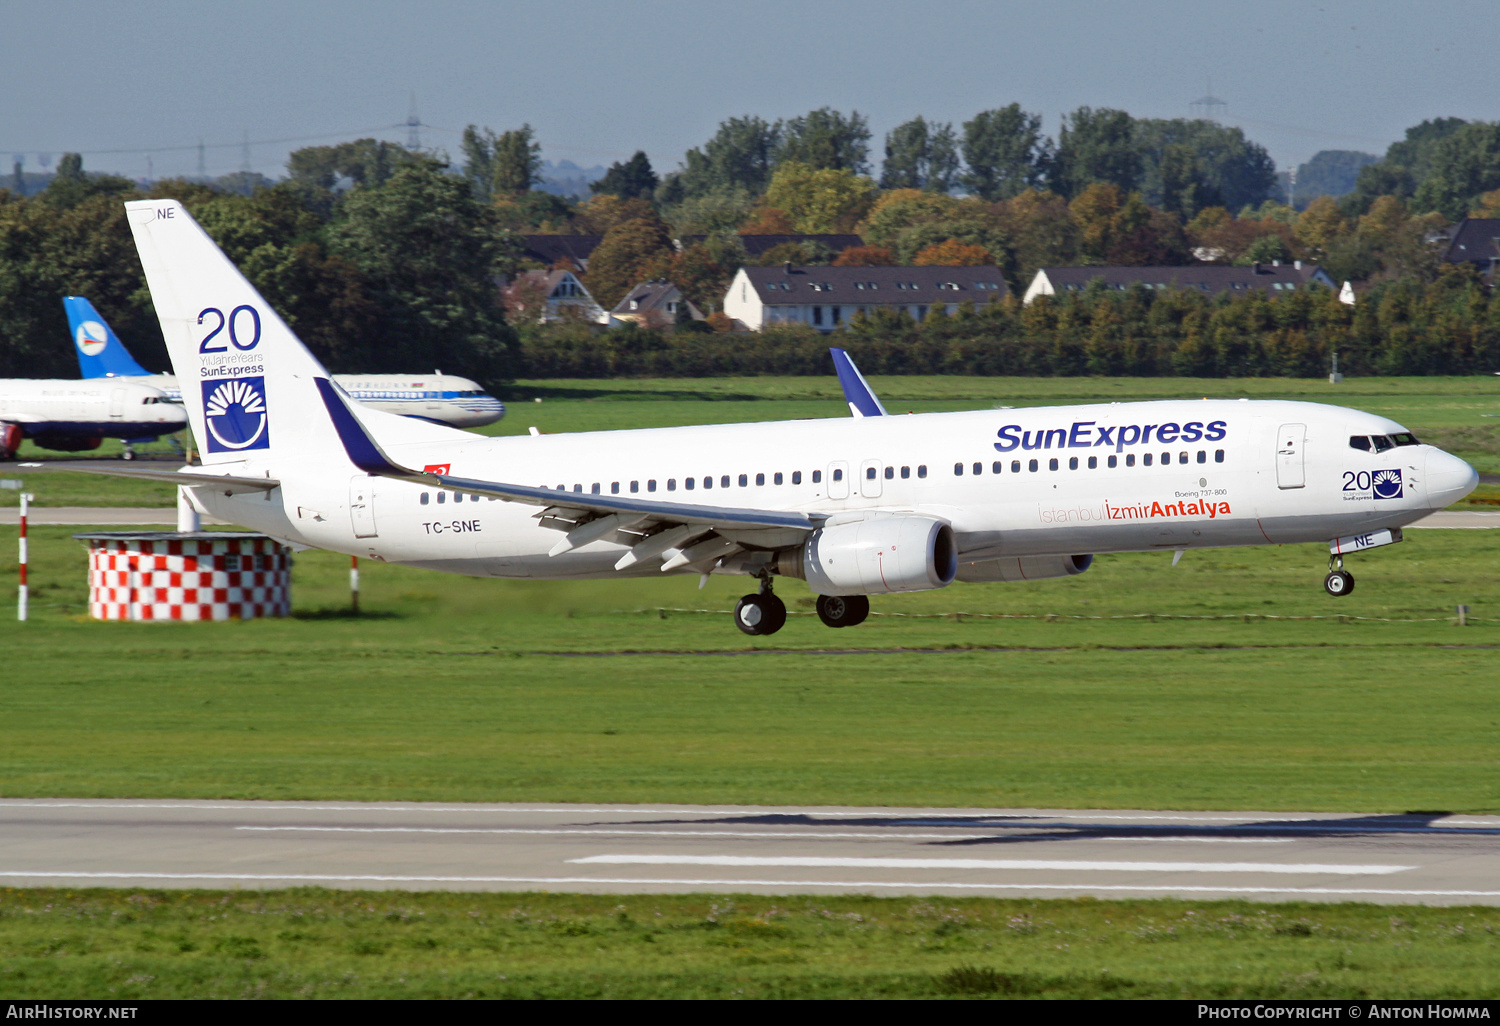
[(363, 450), (857, 391)]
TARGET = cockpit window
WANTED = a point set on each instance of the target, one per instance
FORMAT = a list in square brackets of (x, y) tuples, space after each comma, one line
[(1382, 443), (1405, 438), (1360, 442)]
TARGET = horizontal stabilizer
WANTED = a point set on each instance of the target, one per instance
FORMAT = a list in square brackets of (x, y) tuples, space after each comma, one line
[(177, 477)]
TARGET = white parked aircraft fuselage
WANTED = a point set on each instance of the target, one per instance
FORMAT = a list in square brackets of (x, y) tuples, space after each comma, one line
[(76, 412)]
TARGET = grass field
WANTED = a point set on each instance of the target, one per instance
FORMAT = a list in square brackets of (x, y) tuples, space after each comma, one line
[(1230, 681), (1459, 414), (126, 945)]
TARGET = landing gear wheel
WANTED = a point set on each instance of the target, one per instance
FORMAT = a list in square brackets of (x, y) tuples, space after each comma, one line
[(128, 454), (760, 614), (1339, 583), (843, 610)]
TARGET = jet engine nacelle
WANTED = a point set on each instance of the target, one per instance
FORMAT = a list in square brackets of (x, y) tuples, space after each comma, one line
[(10, 439), (875, 555), (68, 443), (1024, 568)]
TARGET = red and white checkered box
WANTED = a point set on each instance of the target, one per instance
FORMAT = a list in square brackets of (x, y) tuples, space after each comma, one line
[(193, 578)]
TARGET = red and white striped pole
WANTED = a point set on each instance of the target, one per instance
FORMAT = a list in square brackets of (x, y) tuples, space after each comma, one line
[(24, 594)]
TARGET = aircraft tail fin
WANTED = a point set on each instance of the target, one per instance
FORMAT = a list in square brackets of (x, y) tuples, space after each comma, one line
[(100, 351)]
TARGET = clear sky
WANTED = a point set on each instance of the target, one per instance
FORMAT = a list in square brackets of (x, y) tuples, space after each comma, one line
[(598, 80)]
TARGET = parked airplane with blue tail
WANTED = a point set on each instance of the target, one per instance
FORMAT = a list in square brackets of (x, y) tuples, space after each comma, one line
[(440, 398)]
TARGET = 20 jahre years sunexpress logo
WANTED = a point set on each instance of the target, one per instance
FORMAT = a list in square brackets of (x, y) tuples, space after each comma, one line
[(235, 409)]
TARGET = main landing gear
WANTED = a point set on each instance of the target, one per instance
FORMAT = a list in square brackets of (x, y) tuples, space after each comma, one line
[(762, 613), (843, 610), (1339, 581)]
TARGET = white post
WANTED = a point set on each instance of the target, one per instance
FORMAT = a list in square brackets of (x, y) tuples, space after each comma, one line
[(187, 516), (24, 594), (354, 584)]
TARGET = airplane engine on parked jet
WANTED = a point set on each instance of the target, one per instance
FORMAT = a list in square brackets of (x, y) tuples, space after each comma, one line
[(874, 555), (69, 443), (1024, 568)]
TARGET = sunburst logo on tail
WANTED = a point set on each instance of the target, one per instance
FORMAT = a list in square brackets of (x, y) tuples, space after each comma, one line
[(235, 411)]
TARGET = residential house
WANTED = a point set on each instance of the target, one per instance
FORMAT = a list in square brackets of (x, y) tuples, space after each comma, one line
[(1476, 241), (1275, 278), (653, 303), (828, 297), (552, 296)]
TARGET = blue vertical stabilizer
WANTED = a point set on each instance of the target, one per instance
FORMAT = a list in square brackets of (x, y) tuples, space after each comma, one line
[(861, 398), (100, 351)]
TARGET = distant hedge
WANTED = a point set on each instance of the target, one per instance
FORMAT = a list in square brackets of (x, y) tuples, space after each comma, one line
[(1450, 326)]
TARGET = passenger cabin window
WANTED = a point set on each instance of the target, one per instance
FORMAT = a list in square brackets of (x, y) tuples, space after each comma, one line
[(614, 488), (958, 470), (922, 470), (689, 482), (838, 474), (424, 498), (1114, 461), (1182, 457), (1093, 462), (1218, 455), (776, 479), (890, 473), (1146, 460), (671, 484), (1032, 466), (817, 476), (796, 477), (1072, 462), (905, 473), (442, 498), (635, 486), (651, 485), (760, 479), (1015, 466), (996, 467), (1052, 463), (708, 482), (1130, 459), (869, 473), (1202, 456), (744, 480), (724, 481)]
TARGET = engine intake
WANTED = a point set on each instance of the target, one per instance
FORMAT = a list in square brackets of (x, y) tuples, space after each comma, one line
[(874, 555)]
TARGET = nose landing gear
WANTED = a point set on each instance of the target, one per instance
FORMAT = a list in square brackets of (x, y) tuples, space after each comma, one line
[(1339, 581), (762, 613)]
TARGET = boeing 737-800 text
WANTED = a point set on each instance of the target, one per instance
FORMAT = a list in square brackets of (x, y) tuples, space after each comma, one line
[(861, 506)]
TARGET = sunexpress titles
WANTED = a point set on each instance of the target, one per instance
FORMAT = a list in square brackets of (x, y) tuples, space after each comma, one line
[(1088, 434)]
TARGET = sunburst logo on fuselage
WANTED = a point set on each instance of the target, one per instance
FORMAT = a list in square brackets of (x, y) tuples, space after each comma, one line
[(235, 411), (1386, 484)]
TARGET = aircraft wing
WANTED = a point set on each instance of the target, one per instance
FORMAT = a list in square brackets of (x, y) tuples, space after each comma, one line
[(857, 391), (585, 517), (190, 478)]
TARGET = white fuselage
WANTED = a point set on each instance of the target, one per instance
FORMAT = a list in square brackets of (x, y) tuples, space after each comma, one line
[(79, 411), (440, 398), (1042, 481)]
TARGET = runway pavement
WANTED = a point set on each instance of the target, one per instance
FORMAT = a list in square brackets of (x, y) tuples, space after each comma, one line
[(1422, 858)]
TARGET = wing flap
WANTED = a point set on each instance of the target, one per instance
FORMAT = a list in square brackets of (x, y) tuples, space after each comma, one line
[(177, 477)]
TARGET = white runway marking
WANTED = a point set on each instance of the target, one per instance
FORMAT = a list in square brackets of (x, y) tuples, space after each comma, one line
[(820, 862), (627, 832), (857, 885)]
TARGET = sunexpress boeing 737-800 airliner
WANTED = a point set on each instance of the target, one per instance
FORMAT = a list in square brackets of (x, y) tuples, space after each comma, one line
[(862, 506)]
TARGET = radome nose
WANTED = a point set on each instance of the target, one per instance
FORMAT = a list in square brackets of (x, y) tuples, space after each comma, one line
[(1448, 478)]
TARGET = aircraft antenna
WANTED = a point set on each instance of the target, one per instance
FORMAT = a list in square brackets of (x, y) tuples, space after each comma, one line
[(1208, 106), (413, 125)]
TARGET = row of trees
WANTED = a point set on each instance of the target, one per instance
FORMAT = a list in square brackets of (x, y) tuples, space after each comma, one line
[(397, 273), (1449, 326)]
